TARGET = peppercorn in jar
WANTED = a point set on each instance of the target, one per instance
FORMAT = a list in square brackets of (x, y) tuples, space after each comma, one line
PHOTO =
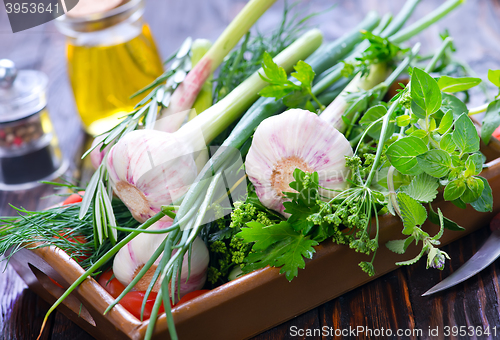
[(29, 152)]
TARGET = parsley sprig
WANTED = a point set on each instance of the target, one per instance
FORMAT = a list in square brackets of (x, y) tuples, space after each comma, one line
[(296, 93)]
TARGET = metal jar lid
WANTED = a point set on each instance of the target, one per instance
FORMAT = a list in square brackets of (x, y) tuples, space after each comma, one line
[(22, 93)]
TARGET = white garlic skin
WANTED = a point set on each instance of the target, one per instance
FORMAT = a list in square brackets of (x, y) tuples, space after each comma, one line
[(295, 139), (132, 257), (148, 169)]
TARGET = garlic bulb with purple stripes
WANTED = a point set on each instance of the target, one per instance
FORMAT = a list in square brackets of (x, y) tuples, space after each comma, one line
[(149, 168), (295, 139), (132, 257)]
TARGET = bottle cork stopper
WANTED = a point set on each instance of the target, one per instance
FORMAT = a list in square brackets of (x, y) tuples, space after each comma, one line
[(88, 7)]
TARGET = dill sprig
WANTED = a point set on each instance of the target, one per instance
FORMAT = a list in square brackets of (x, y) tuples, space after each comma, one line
[(60, 227)]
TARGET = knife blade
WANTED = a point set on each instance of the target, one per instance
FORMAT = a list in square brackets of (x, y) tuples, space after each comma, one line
[(485, 256)]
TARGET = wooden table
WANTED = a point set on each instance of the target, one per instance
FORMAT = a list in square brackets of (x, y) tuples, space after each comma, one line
[(391, 302)]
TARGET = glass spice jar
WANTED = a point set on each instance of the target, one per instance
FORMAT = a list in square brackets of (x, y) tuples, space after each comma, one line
[(29, 152), (111, 55)]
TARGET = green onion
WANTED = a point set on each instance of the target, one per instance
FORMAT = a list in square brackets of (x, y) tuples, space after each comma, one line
[(185, 95)]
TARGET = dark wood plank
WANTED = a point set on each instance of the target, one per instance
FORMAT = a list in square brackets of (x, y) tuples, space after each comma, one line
[(22, 311), (64, 329), (304, 326)]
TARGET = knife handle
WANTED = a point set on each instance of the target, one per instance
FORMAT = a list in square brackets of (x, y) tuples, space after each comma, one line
[(495, 223)]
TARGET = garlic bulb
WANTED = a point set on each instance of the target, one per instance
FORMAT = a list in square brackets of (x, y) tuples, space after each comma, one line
[(295, 139), (132, 257), (149, 168)]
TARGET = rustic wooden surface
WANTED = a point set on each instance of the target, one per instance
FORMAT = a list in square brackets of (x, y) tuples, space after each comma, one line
[(391, 302)]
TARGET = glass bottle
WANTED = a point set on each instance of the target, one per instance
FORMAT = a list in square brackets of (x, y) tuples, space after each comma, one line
[(111, 55)]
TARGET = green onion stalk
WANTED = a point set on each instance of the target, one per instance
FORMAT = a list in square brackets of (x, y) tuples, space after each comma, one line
[(386, 29), (204, 99), (185, 95)]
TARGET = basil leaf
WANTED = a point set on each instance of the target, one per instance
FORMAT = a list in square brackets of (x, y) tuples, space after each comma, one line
[(446, 122), (485, 202), (474, 189), (421, 134), (459, 203), (454, 190), (372, 115), (436, 163), (412, 213), (403, 154), (453, 104), (403, 120), (465, 135), (423, 188), (447, 144), (491, 120), (474, 164), (450, 84), (425, 94), (494, 77)]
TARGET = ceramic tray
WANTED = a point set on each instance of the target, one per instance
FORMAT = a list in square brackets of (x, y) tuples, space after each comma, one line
[(236, 310)]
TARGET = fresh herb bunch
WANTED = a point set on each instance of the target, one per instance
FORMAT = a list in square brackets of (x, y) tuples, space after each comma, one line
[(60, 227), (423, 141), (227, 250)]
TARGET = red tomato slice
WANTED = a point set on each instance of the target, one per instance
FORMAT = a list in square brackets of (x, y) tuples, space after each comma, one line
[(75, 239), (132, 301), (191, 295), (113, 287), (74, 198), (496, 133)]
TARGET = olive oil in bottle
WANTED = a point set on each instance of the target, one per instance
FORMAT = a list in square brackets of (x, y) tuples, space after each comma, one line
[(104, 77), (110, 56)]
